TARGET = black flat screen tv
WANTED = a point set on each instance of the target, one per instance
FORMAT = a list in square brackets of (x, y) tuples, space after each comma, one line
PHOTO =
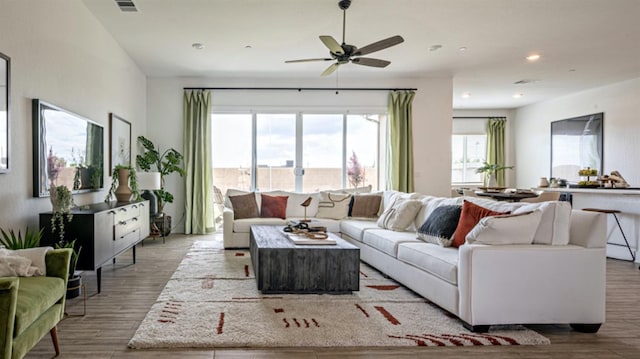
[(68, 150)]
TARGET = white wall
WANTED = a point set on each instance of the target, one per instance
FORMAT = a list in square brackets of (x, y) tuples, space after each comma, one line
[(61, 54), (431, 114), (621, 106)]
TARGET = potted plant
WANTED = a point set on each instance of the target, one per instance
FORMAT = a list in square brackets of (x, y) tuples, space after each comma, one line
[(121, 178), (165, 163), (490, 170), (74, 281), (15, 241), (61, 202)]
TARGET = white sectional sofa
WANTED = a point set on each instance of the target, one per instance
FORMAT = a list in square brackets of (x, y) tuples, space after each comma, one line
[(559, 278)]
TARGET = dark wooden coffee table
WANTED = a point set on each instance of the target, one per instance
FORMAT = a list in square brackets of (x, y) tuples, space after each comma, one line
[(281, 266)]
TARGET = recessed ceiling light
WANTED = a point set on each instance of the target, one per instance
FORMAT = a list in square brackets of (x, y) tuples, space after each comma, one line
[(197, 46), (517, 95), (248, 47), (572, 70), (462, 48), (435, 47), (533, 57), (466, 94)]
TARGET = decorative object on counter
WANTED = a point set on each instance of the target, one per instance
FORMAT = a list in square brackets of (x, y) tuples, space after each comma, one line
[(588, 173), (121, 178), (490, 171), (554, 183), (616, 180), (544, 182)]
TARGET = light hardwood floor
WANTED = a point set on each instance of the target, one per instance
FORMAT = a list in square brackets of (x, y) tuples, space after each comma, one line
[(128, 291)]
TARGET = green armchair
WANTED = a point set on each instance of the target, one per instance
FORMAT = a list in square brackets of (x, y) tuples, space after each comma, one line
[(32, 306)]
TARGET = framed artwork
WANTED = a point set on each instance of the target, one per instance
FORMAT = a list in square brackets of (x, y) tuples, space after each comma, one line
[(120, 140), (5, 72)]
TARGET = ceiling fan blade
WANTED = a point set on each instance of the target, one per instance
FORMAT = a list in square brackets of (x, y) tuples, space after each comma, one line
[(330, 69), (380, 45), (307, 60), (367, 61), (332, 44)]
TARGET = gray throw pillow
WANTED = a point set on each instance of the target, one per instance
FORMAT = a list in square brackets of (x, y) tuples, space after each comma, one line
[(440, 225), (244, 206)]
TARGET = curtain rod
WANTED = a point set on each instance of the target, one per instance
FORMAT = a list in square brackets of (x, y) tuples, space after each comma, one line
[(301, 88)]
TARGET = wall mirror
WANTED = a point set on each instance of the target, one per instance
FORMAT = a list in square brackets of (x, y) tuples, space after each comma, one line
[(5, 71), (68, 150), (576, 143)]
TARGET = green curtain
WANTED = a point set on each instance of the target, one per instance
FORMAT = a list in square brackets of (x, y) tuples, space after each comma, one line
[(400, 155), (197, 157), (495, 145)]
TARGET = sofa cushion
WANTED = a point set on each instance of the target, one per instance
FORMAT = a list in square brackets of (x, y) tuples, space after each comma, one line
[(387, 241), (230, 193), (430, 203), (355, 228), (440, 225), (244, 206), (506, 229), (365, 205), (496, 206), (244, 225), (400, 215), (37, 295), (273, 206), (294, 204), (469, 217), (555, 222), (442, 262), (333, 205)]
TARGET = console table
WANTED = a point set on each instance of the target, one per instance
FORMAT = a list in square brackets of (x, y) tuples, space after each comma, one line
[(104, 230)]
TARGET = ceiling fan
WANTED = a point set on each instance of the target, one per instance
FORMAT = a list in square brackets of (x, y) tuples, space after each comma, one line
[(346, 53)]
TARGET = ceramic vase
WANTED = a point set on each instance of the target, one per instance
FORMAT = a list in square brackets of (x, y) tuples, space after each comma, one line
[(123, 192), (492, 181)]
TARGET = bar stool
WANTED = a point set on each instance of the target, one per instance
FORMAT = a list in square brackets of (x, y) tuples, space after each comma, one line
[(614, 211)]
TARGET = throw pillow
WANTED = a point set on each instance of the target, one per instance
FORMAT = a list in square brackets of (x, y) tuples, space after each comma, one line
[(470, 215), (244, 206), (230, 193), (365, 205), (333, 205), (273, 206), (507, 229), (400, 215), (440, 225)]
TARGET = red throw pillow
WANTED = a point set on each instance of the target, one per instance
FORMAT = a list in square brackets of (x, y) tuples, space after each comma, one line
[(470, 216), (273, 206)]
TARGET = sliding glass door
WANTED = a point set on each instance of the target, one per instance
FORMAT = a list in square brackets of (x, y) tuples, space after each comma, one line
[(301, 152)]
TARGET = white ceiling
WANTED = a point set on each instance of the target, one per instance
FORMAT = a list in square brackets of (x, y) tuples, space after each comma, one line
[(583, 43)]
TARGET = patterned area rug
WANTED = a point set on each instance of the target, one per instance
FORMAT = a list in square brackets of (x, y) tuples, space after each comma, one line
[(212, 301)]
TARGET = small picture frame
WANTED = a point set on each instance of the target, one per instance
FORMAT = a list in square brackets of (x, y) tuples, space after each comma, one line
[(120, 142)]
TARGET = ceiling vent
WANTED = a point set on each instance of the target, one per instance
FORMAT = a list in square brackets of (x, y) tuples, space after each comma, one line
[(126, 5)]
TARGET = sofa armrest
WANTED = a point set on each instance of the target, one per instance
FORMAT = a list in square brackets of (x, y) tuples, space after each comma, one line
[(8, 303), (227, 226), (588, 229), (58, 261), (531, 284)]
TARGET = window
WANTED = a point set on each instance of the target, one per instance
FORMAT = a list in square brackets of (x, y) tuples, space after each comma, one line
[(468, 152), (301, 152)]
